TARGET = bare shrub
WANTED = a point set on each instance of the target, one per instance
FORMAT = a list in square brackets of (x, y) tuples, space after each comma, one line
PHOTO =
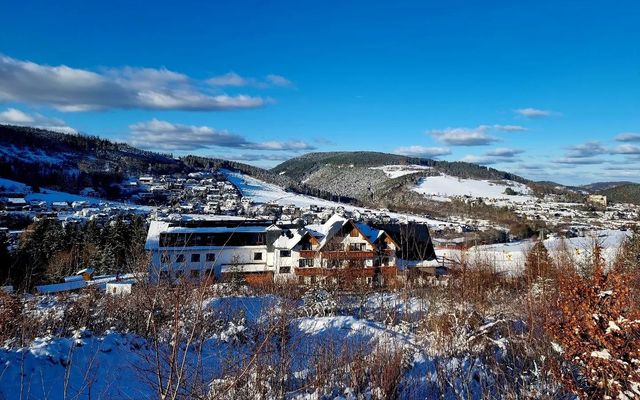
[(596, 327)]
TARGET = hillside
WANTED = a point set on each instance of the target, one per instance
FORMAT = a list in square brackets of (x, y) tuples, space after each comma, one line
[(69, 163), (599, 186), (626, 193), (373, 177), (300, 167)]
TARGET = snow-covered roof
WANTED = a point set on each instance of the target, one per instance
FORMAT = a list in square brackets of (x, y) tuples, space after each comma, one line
[(61, 287), (289, 239)]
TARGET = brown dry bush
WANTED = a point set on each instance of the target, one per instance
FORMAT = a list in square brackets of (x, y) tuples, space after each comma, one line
[(10, 310), (597, 328)]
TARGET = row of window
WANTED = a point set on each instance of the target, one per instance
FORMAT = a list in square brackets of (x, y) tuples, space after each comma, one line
[(193, 274), (165, 258), (333, 263)]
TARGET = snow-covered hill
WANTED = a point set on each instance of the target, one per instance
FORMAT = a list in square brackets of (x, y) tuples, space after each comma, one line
[(445, 186), (262, 192), (396, 171)]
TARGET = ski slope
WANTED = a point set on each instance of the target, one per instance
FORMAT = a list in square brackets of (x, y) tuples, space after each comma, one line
[(446, 186), (396, 171)]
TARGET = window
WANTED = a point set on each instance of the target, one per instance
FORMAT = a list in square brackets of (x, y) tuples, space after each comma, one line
[(285, 270), (179, 274), (211, 257), (180, 258), (333, 263), (164, 258), (357, 247), (195, 258), (208, 273), (305, 262), (354, 233), (164, 275), (257, 256), (195, 273), (285, 253)]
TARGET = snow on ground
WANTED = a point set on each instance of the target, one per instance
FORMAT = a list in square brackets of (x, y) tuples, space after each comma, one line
[(122, 365), (46, 195), (262, 192), (29, 155), (510, 258), (396, 171), (444, 186), (52, 196)]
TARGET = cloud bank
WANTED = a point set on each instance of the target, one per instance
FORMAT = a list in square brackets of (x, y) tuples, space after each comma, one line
[(73, 89), (163, 135), (13, 116)]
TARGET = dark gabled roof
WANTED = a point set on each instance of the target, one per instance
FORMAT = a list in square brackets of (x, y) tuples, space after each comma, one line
[(413, 240)]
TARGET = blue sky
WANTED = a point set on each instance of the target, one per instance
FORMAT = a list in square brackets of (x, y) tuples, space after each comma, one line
[(546, 90)]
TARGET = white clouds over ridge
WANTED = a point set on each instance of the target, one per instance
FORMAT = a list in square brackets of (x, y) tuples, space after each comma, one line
[(73, 89), (163, 135), (13, 116), (422, 151)]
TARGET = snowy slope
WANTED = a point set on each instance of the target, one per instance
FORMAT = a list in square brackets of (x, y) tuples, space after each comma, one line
[(510, 258), (46, 195), (122, 365), (396, 171), (446, 186), (262, 192)]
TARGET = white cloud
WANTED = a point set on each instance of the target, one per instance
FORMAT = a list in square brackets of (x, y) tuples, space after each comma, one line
[(235, 80), (279, 80), (628, 137), (228, 79), (464, 136), (254, 157), (73, 89), (495, 156), (504, 152), (422, 151), (510, 128), (626, 149), (163, 135), (587, 149), (482, 160), (13, 116), (578, 161), (530, 112)]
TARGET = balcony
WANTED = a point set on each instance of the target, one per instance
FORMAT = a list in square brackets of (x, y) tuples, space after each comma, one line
[(348, 255)]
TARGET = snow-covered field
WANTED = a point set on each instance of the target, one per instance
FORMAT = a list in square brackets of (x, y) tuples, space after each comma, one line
[(46, 195), (445, 186), (509, 258), (114, 364), (262, 192), (396, 171)]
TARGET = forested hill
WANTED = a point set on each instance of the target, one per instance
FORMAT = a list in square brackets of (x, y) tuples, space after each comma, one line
[(69, 162), (300, 167), (626, 193)]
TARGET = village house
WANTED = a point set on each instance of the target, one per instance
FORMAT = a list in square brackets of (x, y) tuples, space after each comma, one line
[(340, 251)]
